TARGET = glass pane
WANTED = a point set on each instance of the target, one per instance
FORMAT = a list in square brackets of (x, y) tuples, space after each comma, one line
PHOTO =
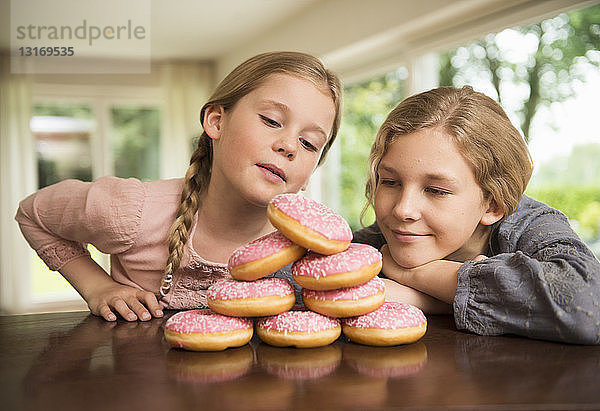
[(62, 136), (366, 105), (135, 141), (546, 76)]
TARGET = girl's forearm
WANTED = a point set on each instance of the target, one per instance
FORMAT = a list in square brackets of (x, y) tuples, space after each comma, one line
[(400, 293), (438, 278), (85, 275)]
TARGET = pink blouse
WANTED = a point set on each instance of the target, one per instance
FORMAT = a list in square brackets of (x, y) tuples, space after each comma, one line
[(125, 218)]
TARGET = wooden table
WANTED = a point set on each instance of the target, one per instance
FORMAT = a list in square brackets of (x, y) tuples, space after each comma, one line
[(77, 361)]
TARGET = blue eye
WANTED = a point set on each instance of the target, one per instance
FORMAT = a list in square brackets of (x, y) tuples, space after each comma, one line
[(268, 121)]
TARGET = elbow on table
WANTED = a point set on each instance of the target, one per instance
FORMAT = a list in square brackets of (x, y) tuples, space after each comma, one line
[(579, 326)]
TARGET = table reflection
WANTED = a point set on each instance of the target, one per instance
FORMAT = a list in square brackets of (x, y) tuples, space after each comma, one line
[(345, 389), (96, 362), (75, 362), (509, 368), (390, 362), (208, 367)]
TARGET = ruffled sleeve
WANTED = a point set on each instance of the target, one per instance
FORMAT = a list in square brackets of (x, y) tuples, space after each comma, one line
[(60, 220)]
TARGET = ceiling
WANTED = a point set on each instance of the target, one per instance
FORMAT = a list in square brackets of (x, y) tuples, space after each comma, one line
[(186, 29), (208, 29), (351, 36)]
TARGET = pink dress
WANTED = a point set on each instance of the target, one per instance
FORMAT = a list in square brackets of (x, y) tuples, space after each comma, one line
[(125, 218)]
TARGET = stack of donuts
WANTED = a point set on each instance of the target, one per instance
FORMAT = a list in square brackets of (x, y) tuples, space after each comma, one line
[(340, 289)]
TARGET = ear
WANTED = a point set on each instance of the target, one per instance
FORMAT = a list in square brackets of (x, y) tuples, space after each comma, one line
[(213, 121), (493, 213)]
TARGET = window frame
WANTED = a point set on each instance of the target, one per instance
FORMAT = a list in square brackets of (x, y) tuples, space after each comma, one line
[(100, 99)]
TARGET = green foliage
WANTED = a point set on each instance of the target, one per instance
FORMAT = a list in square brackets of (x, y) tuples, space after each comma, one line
[(580, 203), (135, 140), (571, 184), (560, 46), (48, 170), (365, 107), (581, 167), (590, 220), (73, 111)]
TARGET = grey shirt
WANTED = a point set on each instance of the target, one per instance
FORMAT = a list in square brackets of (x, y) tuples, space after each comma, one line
[(540, 280)]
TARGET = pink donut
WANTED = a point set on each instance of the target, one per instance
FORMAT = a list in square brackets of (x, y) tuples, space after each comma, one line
[(391, 324), (355, 266), (263, 256), (346, 302), (267, 296), (309, 223), (204, 330), (299, 329)]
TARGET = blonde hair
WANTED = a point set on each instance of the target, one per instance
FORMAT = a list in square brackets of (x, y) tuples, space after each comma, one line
[(481, 130), (245, 78)]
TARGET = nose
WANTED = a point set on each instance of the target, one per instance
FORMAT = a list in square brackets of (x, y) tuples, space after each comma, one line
[(407, 206), (286, 146)]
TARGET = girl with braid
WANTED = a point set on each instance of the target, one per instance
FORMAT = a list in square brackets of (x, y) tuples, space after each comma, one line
[(267, 126)]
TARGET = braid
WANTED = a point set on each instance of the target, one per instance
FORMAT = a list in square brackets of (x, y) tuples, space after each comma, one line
[(195, 182)]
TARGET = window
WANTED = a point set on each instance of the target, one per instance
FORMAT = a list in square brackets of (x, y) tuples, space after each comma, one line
[(366, 105), (546, 76), (85, 140), (62, 140), (135, 140)]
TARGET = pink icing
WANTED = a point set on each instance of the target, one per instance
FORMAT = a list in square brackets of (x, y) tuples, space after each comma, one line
[(318, 265), (314, 215), (234, 290), (368, 289), (389, 316), (205, 321), (298, 321), (260, 248)]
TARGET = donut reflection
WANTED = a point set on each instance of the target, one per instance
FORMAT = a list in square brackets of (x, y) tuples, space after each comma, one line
[(294, 364), (388, 362), (254, 392), (344, 388), (208, 367)]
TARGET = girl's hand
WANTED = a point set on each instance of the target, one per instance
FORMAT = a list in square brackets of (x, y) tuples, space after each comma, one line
[(132, 304), (437, 278), (105, 296)]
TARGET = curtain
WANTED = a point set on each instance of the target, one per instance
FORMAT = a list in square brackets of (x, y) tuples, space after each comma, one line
[(186, 87), (17, 180)]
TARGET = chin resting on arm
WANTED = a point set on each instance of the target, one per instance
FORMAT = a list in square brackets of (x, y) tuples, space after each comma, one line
[(437, 279)]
